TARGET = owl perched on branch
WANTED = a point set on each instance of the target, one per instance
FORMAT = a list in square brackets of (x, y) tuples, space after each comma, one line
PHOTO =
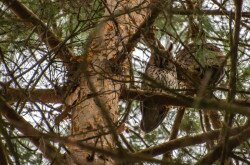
[(205, 64), (160, 72)]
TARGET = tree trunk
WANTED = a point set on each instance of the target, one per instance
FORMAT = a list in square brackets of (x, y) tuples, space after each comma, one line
[(96, 97)]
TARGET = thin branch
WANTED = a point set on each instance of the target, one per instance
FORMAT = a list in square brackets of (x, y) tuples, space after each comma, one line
[(46, 35), (166, 99), (233, 79), (193, 140), (233, 142), (9, 143), (130, 158), (180, 11), (129, 47), (3, 155), (37, 95), (28, 130)]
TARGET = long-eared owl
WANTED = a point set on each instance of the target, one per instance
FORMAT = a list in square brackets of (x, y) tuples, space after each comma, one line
[(161, 71), (205, 65)]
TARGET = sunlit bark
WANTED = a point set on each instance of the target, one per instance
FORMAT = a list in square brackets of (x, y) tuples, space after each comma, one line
[(96, 116)]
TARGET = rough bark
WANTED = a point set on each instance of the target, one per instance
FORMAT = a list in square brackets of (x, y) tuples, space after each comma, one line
[(95, 118), (96, 115)]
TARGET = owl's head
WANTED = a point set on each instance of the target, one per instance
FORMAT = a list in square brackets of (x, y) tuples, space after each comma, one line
[(161, 58)]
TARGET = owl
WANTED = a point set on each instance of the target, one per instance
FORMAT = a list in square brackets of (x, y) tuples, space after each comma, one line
[(201, 67), (161, 71)]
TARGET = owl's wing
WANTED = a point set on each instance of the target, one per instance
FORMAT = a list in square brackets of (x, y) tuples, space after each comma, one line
[(161, 71)]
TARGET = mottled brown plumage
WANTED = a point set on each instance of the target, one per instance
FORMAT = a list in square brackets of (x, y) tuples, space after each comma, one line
[(160, 71), (205, 66), (199, 60)]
